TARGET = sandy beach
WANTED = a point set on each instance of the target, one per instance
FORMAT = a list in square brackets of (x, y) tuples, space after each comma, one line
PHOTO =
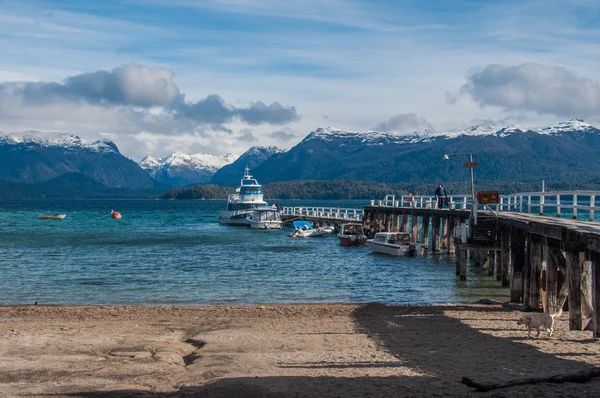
[(282, 351)]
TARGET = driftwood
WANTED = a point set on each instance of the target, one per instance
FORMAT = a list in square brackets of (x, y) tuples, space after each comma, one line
[(518, 307), (579, 377)]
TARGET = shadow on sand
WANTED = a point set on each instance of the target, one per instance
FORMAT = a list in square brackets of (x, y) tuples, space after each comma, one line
[(437, 364)]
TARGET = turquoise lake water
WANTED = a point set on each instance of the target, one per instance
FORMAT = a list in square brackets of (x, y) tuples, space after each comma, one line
[(175, 252)]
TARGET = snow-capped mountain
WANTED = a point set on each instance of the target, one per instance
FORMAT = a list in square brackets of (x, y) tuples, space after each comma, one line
[(180, 169), (231, 174), (34, 157), (368, 137), (516, 153), (57, 140)]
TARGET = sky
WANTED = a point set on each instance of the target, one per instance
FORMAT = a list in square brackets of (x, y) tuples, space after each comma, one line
[(219, 76)]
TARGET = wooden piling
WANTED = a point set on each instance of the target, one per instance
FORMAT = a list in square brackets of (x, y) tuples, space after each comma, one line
[(426, 232), (517, 258), (444, 233), (574, 266), (526, 269), (451, 229), (435, 231), (415, 228), (535, 261), (463, 264), (595, 259), (551, 280), (404, 227), (491, 262), (505, 257)]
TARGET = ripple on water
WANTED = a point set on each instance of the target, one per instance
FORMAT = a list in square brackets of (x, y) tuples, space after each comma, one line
[(174, 252)]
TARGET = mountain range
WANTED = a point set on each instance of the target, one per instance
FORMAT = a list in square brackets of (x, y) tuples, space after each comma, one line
[(34, 157), (568, 151), (63, 165), (180, 169)]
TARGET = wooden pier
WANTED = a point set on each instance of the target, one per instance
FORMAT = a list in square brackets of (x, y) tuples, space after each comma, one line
[(544, 246)]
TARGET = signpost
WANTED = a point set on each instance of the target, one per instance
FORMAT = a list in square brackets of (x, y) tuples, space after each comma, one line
[(488, 197), (471, 165)]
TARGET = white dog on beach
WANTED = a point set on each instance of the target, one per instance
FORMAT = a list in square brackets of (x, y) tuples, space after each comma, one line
[(543, 321)]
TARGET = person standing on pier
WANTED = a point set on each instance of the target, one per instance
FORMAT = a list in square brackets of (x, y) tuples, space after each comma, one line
[(442, 195)]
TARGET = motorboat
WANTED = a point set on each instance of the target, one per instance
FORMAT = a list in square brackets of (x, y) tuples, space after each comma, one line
[(248, 197), (303, 229), (51, 216), (265, 218), (352, 234), (395, 244), (115, 214)]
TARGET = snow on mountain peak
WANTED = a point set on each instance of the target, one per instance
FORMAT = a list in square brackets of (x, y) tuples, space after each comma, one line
[(378, 138), (180, 160), (65, 140)]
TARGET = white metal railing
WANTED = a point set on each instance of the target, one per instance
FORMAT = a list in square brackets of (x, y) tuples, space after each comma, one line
[(574, 204), (324, 212)]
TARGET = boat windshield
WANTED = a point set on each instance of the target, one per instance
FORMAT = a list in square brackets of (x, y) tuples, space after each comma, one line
[(251, 190), (269, 216)]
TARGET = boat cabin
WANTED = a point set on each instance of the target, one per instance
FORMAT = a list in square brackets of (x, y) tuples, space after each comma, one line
[(266, 214), (392, 237), (352, 229)]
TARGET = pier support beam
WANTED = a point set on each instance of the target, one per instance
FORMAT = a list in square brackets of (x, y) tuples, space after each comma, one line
[(426, 232), (415, 228), (404, 223), (491, 262), (463, 264), (435, 231), (595, 258), (505, 257), (517, 260), (535, 261), (451, 229), (575, 263), (551, 280), (445, 233)]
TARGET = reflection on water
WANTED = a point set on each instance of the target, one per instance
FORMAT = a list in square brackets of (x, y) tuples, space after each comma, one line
[(174, 252)]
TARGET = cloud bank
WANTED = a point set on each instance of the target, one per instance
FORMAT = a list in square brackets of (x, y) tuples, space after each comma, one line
[(404, 122), (139, 86), (533, 87)]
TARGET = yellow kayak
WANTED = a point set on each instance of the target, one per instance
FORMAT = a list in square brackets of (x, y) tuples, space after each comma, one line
[(52, 216)]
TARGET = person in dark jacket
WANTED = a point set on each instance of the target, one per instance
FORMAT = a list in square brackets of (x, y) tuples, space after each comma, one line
[(442, 195)]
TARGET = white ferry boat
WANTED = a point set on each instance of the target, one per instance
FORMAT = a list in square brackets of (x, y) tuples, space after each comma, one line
[(248, 197)]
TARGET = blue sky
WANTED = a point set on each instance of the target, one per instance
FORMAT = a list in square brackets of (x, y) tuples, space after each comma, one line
[(272, 71)]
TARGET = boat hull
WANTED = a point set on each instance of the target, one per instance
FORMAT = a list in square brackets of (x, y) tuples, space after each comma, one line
[(234, 217), (265, 224), (352, 240)]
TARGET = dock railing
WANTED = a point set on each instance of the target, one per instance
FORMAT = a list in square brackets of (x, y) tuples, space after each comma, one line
[(573, 204), (581, 205), (325, 213)]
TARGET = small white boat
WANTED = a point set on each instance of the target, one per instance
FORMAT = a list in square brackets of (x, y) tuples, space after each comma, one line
[(52, 216), (303, 229), (265, 218), (395, 244)]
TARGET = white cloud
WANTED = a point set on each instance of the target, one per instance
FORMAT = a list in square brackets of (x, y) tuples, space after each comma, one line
[(534, 87)]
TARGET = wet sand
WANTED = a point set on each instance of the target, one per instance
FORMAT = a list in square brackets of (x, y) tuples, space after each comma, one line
[(282, 351)]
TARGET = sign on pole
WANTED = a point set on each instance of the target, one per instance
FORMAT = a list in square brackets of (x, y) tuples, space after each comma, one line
[(471, 165), (488, 197)]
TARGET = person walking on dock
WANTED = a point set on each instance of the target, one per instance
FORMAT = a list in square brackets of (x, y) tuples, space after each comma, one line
[(442, 195)]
